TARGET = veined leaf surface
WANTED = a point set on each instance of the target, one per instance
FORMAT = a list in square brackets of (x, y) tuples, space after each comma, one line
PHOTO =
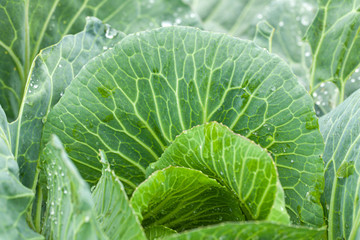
[(157, 232), (53, 70), (240, 165), (341, 131), (15, 198), (115, 215), (334, 40), (181, 198), (251, 230), (69, 209), (289, 18), (30, 25), (133, 100)]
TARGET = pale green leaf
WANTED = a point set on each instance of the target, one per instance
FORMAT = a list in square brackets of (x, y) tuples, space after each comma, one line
[(251, 231), (158, 232), (289, 18), (14, 197), (69, 207), (115, 215), (30, 25), (277, 213), (240, 165), (334, 40), (53, 70), (132, 101), (341, 131), (181, 198), (264, 34)]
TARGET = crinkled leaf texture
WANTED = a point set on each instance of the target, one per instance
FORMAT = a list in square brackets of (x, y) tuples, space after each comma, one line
[(15, 198), (182, 198), (237, 163), (53, 70), (133, 100), (252, 230), (341, 131), (115, 215), (69, 208), (30, 25)]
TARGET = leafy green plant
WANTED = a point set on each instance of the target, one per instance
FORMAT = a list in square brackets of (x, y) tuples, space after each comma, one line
[(149, 130)]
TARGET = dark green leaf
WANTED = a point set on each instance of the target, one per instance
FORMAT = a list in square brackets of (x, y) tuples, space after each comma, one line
[(341, 131), (250, 231), (15, 198), (240, 165), (69, 208), (115, 215), (181, 198), (132, 101)]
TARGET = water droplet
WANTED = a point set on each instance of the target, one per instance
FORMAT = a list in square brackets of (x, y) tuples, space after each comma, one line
[(352, 80), (110, 33), (292, 161), (178, 21), (281, 23), (322, 85), (87, 219), (60, 66), (304, 21), (315, 94), (260, 16), (307, 54), (166, 24), (65, 191)]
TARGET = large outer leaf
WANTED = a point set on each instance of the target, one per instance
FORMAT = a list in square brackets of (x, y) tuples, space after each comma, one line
[(250, 231), (30, 25), (69, 209), (53, 70), (289, 18), (181, 198), (341, 131), (335, 42), (242, 166), (115, 215), (133, 100), (14, 197)]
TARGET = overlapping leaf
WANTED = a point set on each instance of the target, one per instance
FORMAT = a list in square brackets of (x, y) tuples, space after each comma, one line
[(133, 101), (115, 215), (252, 230), (53, 70), (181, 198), (30, 25), (334, 40), (341, 131), (157, 232), (69, 209), (14, 197), (240, 165), (289, 18)]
